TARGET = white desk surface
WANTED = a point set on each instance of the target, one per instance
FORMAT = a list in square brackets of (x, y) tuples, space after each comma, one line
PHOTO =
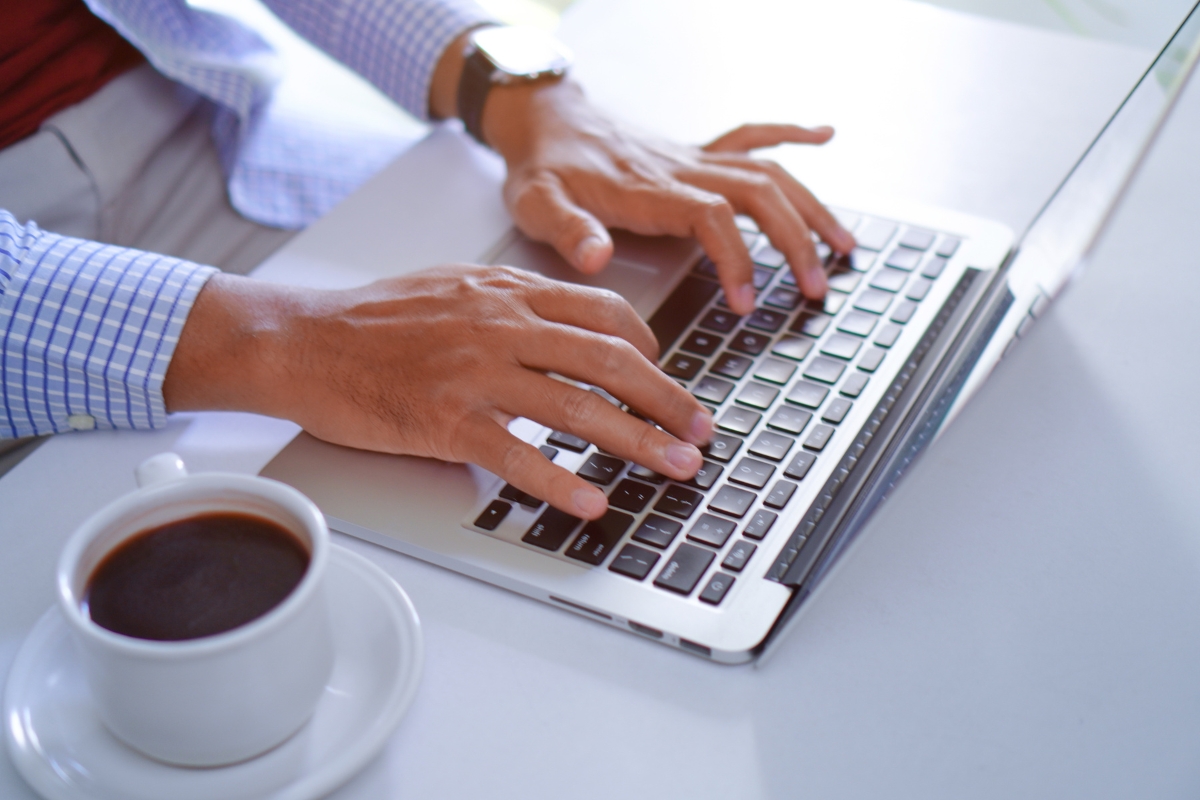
[(1021, 619)]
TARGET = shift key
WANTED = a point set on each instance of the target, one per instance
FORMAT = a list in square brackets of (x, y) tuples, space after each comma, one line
[(684, 569)]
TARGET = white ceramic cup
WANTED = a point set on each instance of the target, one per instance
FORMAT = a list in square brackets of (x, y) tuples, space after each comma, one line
[(216, 699)]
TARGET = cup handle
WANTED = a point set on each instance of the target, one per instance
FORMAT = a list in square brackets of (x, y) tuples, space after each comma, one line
[(160, 469)]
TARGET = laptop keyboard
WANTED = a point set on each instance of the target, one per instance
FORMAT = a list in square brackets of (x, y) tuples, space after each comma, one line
[(780, 383)]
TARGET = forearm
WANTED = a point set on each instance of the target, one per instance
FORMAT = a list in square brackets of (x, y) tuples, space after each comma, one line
[(86, 331)]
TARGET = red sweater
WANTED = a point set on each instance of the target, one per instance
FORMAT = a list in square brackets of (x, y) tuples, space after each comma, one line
[(53, 53)]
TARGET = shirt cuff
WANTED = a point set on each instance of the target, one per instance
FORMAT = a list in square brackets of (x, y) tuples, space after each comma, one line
[(87, 331)]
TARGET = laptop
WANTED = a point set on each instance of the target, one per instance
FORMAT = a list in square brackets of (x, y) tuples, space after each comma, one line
[(820, 408)]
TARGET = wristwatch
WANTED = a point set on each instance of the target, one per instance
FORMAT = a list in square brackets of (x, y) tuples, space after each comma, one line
[(505, 56)]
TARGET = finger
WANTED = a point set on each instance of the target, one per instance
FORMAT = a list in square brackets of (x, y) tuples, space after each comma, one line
[(754, 136), (615, 366), (593, 309), (818, 217), (545, 212), (756, 194), (587, 415), (498, 451)]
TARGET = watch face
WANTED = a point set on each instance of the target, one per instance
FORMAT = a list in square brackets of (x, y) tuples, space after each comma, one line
[(524, 51)]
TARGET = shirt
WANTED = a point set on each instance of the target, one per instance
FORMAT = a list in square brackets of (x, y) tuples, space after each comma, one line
[(87, 330)]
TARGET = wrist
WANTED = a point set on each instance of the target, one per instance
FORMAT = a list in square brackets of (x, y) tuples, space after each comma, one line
[(517, 117)]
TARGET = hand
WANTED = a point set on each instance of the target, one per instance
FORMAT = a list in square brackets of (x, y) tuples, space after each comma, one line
[(573, 173), (437, 364)]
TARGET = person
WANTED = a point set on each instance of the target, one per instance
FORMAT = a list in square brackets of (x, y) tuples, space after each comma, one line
[(432, 364)]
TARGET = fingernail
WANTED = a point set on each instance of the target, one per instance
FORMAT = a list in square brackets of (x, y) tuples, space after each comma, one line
[(824, 130), (845, 242), (585, 250), (684, 457), (819, 282), (702, 427), (591, 503), (744, 297)]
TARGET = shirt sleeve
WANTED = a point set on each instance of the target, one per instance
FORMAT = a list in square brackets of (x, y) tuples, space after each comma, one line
[(86, 331), (395, 44)]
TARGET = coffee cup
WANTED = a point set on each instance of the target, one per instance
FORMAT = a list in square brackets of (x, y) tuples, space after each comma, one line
[(217, 698)]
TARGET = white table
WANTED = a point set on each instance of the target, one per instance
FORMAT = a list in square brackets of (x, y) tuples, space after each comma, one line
[(1019, 620)]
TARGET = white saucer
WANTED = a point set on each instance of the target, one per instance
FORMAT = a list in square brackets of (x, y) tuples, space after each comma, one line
[(60, 747)]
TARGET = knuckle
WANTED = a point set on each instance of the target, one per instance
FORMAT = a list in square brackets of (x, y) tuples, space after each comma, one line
[(513, 457), (576, 407)]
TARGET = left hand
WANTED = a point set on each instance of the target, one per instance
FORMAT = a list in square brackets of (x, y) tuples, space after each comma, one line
[(573, 172)]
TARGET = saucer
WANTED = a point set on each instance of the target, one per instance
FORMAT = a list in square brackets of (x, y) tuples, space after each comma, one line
[(60, 747)]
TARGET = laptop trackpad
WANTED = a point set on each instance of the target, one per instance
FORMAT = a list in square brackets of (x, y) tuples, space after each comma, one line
[(643, 269)]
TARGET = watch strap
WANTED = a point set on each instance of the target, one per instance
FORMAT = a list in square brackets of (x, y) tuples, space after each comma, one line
[(473, 88)]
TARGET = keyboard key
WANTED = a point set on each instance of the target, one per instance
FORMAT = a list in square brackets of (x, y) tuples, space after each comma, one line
[(903, 258), (635, 562), (732, 501), (722, 447), (872, 359), (757, 395), (824, 369), (657, 531), (761, 278), (783, 298), (701, 343), (716, 588), (888, 279), (775, 371), (551, 530), (875, 234), (750, 239), (809, 395), (631, 495), (841, 346), (599, 537), (917, 239), (948, 247), (934, 267), (833, 303), (645, 474), (854, 385), (800, 466), (712, 390), (683, 367), (860, 260), (732, 366), (510, 492), (749, 343), (858, 323), (819, 437), (845, 282), (752, 472), (874, 301), (548, 451), (837, 410), (684, 568), (760, 524), (745, 223), (706, 476), (846, 219), (918, 289), (720, 320), (764, 319), (738, 556), (789, 420), (904, 311), (493, 515), (707, 268), (767, 256), (781, 492), (793, 347), (712, 530), (601, 468), (810, 323), (772, 445), (568, 441), (888, 335), (678, 501), (738, 420)]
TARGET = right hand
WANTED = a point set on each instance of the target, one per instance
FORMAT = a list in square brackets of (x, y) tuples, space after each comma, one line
[(437, 364)]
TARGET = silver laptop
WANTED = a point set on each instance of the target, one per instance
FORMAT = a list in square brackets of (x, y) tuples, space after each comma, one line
[(819, 409)]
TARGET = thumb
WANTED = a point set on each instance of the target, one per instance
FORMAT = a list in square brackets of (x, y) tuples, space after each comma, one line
[(544, 212)]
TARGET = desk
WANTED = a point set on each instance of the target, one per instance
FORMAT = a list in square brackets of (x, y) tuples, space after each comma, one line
[(1018, 620)]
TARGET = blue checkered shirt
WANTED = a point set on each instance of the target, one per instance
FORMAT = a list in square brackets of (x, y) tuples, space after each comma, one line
[(87, 330)]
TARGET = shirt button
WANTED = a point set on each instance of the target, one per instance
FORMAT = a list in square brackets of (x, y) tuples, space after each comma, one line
[(82, 422)]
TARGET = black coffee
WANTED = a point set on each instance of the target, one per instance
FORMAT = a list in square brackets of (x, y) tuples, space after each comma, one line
[(195, 577)]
